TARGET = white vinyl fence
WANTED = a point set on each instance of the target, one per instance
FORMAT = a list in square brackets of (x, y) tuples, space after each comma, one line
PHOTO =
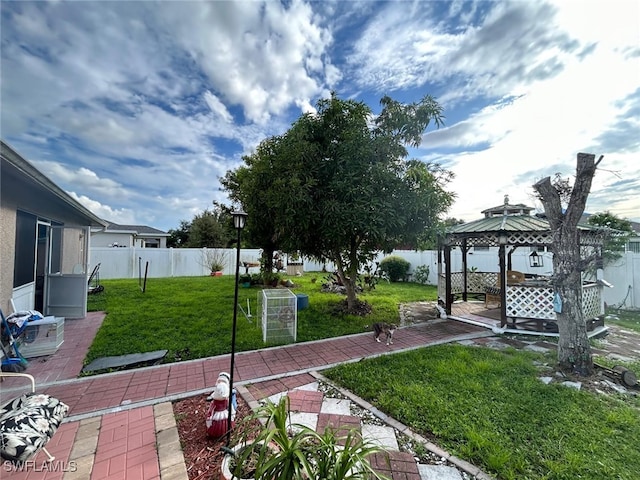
[(130, 262)]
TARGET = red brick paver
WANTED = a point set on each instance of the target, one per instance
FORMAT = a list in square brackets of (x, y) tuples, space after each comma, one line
[(127, 447)]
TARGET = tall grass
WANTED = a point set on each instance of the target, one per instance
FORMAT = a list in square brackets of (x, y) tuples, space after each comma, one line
[(192, 316)]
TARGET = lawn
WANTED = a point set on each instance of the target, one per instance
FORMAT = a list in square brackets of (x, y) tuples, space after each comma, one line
[(192, 316), (489, 408), (629, 319)]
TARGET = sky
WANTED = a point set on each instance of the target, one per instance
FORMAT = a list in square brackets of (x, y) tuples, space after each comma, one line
[(136, 109)]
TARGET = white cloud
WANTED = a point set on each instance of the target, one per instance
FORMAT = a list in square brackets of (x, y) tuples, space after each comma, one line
[(217, 107), (260, 55), (122, 216), (139, 107)]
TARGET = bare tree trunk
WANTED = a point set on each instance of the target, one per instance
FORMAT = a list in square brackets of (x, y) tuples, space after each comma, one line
[(574, 351)]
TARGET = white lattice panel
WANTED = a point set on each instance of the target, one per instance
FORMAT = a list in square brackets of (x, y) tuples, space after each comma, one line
[(530, 302), (476, 281), (591, 305), (457, 283)]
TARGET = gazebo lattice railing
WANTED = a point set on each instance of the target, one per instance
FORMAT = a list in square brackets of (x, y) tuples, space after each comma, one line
[(530, 300)]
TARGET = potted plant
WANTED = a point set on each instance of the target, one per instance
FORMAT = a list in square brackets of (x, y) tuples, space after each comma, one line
[(214, 260), (284, 451)]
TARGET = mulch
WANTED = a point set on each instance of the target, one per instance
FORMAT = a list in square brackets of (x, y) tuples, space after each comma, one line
[(202, 455)]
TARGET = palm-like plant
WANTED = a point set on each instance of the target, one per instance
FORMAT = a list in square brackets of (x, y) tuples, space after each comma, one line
[(288, 451)]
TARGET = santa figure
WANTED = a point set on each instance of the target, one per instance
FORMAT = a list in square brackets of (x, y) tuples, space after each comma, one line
[(218, 414)]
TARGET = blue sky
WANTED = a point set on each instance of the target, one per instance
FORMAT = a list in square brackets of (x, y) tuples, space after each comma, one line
[(137, 108)]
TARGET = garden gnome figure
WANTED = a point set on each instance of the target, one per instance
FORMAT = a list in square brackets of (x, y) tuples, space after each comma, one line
[(219, 409)]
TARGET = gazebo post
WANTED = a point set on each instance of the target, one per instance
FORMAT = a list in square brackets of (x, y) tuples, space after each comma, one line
[(465, 249), (503, 285), (447, 277)]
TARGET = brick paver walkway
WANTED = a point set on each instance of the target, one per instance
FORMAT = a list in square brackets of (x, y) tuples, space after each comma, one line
[(110, 433)]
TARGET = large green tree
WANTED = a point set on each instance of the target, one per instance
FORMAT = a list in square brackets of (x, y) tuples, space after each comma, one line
[(257, 185), (179, 237), (337, 186), (210, 228)]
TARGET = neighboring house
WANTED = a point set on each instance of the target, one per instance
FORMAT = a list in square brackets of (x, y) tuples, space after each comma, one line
[(139, 236), (633, 245), (45, 242)]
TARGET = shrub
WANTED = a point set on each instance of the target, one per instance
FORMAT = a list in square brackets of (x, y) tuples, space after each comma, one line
[(395, 267), (421, 274)]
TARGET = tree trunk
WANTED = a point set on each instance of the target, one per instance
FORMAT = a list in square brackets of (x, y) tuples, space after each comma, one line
[(574, 351), (267, 264), (348, 279)]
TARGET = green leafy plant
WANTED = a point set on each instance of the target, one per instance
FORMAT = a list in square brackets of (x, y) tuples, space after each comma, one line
[(421, 274), (395, 267), (289, 451)]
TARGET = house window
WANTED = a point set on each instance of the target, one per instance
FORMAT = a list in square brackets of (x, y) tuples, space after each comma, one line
[(538, 249), (634, 247), (481, 248)]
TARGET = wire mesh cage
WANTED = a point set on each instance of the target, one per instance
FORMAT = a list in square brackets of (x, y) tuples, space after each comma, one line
[(279, 315)]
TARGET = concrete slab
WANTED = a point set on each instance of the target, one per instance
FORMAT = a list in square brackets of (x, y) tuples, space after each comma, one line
[(312, 387), (338, 406), (438, 472), (380, 435), (307, 419), (536, 348)]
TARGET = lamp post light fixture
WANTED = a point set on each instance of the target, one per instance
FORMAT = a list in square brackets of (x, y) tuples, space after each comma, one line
[(239, 220), (535, 260)]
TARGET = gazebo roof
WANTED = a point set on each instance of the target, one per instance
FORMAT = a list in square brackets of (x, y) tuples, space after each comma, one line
[(505, 223), (518, 230)]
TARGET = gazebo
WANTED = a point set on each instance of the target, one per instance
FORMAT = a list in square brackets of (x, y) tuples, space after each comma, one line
[(525, 301)]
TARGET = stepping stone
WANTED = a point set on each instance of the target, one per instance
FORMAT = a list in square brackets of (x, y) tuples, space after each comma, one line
[(305, 401), (312, 387), (304, 418), (438, 472), (342, 424), (396, 465), (536, 348), (382, 436), (339, 406)]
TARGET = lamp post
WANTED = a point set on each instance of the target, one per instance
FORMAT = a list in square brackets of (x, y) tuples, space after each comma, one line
[(239, 220)]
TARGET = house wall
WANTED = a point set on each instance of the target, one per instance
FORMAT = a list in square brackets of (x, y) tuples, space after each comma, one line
[(102, 239), (46, 207), (7, 252)]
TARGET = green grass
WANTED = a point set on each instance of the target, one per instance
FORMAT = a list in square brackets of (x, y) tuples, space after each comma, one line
[(624, 318), (196, 313), (489, 408)]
